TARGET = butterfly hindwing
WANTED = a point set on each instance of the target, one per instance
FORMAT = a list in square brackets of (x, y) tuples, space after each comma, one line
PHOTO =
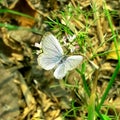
[(46, 61), (73, 61), (69, 64), (60, 71)]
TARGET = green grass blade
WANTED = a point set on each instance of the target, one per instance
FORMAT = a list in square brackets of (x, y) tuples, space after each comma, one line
[(13, 27), (109, 86), (9, 26), (91, 107), (16, 13), (84, 80), (112, 30), (118, 65)]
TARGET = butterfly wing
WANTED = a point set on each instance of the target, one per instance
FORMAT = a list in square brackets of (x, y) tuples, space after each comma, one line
[(46, 61), (69, 64), (60, 71), (73, 61), (52, 52), (50, 45)]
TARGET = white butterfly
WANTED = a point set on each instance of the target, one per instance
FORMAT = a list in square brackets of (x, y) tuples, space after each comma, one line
[(53, 57)]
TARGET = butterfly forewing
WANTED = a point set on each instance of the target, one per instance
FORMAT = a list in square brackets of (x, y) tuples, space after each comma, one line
[(52, 52), (50, 45)]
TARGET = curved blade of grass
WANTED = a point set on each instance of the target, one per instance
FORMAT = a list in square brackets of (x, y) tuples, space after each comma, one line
[(9, 26), (13, 27), (118, 65), (16, 13), (87, 90), (109, 86), (83, 79), (112, 30)]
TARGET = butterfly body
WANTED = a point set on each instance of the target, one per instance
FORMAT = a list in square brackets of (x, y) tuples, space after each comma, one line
[(53, 57)]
